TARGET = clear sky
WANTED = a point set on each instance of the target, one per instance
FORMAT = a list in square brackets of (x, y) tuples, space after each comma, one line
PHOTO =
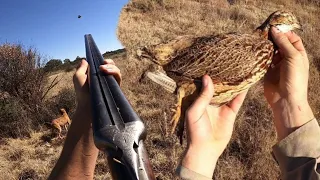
[(53, 27)]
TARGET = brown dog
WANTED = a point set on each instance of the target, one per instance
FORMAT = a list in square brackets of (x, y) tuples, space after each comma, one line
[(64, 120)]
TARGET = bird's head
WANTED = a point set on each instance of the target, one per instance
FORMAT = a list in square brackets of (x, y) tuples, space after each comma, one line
[(283, 20)]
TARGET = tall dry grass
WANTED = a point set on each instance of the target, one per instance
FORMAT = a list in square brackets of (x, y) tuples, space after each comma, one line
[(144, 22)]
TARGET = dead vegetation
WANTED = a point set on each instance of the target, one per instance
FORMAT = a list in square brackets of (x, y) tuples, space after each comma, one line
[(144, 22), (25, 109), (248, 155), (24, 90), (21, 86)]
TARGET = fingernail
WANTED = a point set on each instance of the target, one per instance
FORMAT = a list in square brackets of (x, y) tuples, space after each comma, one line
[(106, 67), (275, 30), (205, 81)]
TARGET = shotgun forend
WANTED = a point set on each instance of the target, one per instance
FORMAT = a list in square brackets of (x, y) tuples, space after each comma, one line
[(117, 129)]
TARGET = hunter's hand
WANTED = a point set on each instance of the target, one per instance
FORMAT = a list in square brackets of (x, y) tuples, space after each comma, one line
[(286, 84), (80, 79), (110, 67), (80, 82), (209, 129)]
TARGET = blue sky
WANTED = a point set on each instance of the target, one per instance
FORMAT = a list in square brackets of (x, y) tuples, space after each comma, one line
[(53, 27)]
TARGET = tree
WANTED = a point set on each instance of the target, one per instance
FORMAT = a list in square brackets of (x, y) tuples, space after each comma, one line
[(66, 61), (53, 64)]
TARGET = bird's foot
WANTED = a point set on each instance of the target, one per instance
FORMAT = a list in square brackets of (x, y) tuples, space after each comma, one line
[(175, 118), (174, 108)]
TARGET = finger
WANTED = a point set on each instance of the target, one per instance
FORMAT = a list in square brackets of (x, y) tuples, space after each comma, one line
[(282, 41), (109, 68), (108, 61), (80, 76), (200, 104), (296, 42), (236, 103), (82, 68), (273, 75), (276, 58), (112, 70)]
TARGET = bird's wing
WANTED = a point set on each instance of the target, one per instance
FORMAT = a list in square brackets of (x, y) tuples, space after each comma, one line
[(163, 53), (226, 58)]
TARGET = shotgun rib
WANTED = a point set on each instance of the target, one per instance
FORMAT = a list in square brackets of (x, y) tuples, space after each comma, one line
[(117, 129)]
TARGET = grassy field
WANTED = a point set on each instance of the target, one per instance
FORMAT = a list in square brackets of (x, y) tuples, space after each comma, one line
[(144, 22)]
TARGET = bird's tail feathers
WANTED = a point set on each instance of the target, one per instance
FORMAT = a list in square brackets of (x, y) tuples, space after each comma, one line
[(163, 80)]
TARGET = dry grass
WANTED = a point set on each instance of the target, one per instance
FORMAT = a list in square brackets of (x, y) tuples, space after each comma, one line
[(65, 81), (248, 155), (20, 156), (145, 22)]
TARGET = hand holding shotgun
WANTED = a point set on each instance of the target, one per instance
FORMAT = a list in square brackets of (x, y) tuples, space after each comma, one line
[(117, 130), (79, 154)]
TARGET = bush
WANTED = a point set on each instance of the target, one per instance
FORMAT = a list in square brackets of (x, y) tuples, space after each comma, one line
[(66, 61), (22, 106), (69, 67), (52, 65), (20, 73), (109, 54), (65, 99), (14, 118)]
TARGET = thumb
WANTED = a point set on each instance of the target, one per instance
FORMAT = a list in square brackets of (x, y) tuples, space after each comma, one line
[(82, 69), (201, 103), (282, 41)]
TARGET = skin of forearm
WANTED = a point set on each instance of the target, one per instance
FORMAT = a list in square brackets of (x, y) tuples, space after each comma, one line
[(79, 154), (290, 115), (202, 161)]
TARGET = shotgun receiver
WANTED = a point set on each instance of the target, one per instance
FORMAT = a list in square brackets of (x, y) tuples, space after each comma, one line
[(117, 129)]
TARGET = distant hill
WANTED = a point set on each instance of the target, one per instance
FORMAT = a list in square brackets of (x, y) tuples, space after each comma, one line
[(57, 64), (111, 53)]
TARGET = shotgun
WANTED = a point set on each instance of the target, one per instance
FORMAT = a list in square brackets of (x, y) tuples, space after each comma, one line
[(117, 129)]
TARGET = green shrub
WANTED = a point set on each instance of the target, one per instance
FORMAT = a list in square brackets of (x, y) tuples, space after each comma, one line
[(52, 65)]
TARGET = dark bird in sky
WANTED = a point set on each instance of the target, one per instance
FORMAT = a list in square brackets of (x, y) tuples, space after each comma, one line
[(79, 16)]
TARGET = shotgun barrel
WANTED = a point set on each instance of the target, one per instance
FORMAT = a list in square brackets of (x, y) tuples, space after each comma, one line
[(117, 129)]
